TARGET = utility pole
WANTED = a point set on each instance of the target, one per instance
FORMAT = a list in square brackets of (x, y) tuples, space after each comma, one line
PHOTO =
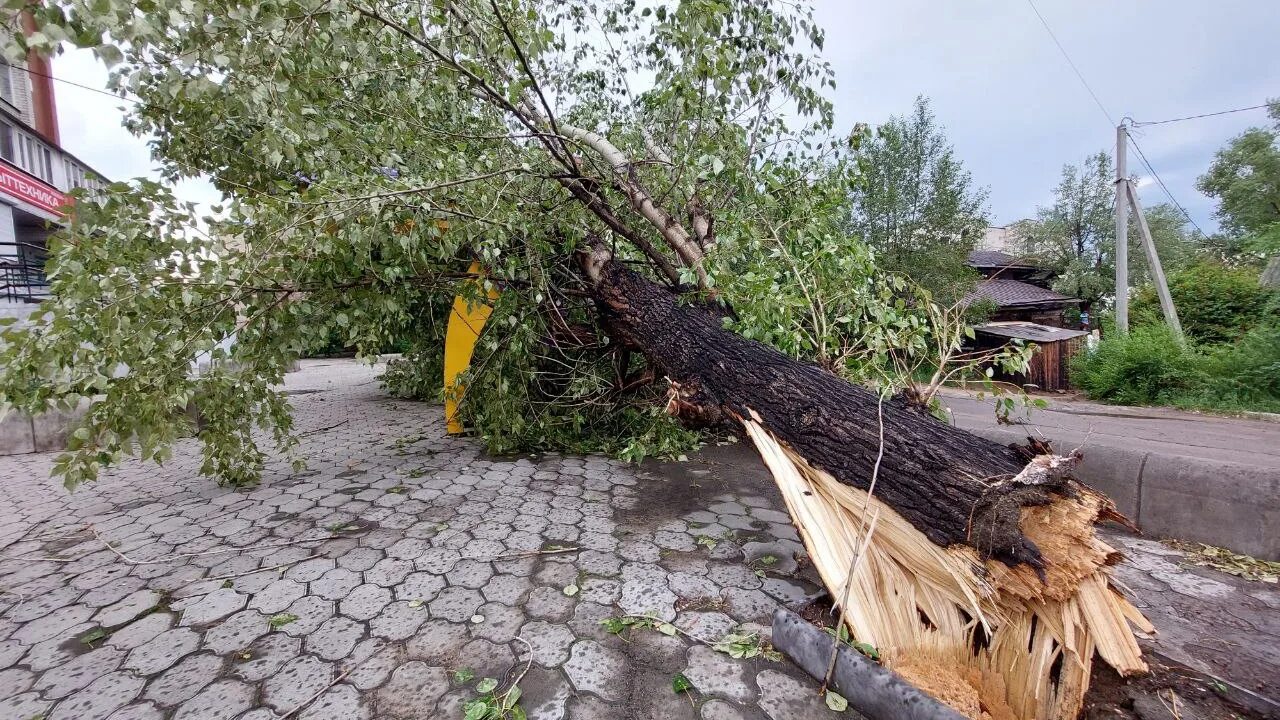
[(1126, 194), (1122, 230), (1153, 263)]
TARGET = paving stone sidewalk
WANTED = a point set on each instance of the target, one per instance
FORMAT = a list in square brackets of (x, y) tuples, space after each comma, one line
[(357, 588)]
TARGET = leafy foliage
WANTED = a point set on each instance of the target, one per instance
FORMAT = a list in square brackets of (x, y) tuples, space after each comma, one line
[(917, 206), (1150, 367), (1146, 366), (370, 151), (492, 705), (1215, 303), (742, 646), (1245, 179), (1075, 236)]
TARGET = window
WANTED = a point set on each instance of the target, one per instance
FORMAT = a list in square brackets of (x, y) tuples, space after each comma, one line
[(6, 83), (6, 142)]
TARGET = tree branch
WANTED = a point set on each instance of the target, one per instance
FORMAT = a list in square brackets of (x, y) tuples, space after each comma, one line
[(675, 235)]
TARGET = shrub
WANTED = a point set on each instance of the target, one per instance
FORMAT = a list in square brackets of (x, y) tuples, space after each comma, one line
[(1243, 376), (1147, 366), (418, 374), (1215, 303)]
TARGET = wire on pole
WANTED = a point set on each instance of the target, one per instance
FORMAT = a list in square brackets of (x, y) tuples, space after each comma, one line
[(1070, 62), (1144, 123), (1146, 163)]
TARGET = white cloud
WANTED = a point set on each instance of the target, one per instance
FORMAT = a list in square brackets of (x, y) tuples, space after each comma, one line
[(91, 126)]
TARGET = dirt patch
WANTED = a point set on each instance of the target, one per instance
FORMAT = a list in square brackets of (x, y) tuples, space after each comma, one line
[(1171, 690)]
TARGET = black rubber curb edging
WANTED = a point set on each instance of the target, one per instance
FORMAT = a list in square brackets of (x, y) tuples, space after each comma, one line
[(871, 689)]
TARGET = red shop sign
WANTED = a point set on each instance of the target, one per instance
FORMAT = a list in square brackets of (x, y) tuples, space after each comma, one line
[(15, 183)]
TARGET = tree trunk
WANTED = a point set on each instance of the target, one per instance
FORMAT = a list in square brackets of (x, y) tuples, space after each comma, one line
[(953, 486)]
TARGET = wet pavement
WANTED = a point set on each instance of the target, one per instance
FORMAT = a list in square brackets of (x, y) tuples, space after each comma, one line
[(403, 567), (388, 579)]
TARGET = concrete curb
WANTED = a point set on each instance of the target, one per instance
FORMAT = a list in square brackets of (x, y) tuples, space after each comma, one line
[(21, 433), (873, 690), (1231, 505)]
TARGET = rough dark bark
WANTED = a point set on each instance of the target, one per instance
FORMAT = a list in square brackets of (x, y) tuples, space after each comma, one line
[(953, 486)]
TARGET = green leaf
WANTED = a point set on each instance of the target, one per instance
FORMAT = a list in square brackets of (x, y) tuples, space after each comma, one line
[(280, 620), (570, 590), (462, 676), (836, 701), (476, 710), (487, 685), (511, 697), (680, 683)]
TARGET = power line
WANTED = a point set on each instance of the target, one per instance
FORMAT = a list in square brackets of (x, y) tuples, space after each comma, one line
[(1197, 117), (1075, 69), (90, 88), (1164, 187)]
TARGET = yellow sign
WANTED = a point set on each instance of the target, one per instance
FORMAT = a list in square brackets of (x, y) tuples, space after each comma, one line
[(465, 323)]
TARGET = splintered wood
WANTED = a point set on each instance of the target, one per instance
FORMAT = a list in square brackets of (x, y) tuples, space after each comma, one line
[(991, 641)]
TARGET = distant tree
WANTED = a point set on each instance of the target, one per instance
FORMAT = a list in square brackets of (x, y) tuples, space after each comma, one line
[(918, 206), (1075, 236), (1245, 179)]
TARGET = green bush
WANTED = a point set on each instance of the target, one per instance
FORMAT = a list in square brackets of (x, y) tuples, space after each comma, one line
[(1149, 367), (418, 374), (1215, 303), (1243, 376), (1145, 367)]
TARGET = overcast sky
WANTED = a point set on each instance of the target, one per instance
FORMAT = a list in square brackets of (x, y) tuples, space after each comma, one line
[(1010, 102)]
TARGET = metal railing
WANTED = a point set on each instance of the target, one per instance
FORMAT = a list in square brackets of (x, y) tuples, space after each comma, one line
[(22, 277)]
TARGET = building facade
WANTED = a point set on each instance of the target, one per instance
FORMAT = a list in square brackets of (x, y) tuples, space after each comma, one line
[(36, 174)]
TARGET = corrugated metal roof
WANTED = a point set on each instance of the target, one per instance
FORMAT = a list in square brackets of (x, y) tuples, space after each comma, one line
[(1008, 293), (1028, 331)]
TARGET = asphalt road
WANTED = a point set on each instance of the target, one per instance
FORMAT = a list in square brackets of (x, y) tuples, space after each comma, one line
[(1160, 430)]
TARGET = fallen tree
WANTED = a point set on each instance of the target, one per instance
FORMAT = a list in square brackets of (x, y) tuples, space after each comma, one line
[(666, 241)]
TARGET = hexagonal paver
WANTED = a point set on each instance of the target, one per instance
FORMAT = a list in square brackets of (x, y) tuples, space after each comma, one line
[(550, 643), (718, 675), (184, 680), (310, 612), (336, 584), (162, 651), (399, 620), (214, 606), (277, 596), (596, 669), (340, 702), (140, 631), (412, 689), (335, 639), (265, 657), (296, 682), (371, 663), (456, 604), (364, 602), (549, 603), (782, 697), (64, 679), (222, 700), (99, 699), (236, 632)]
